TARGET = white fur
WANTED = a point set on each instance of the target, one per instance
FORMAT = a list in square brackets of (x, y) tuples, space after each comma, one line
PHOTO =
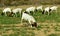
[(30, 9), (6, 10), (54, 8), (17, 10), (28, 18), (47, 10), (39, 8)]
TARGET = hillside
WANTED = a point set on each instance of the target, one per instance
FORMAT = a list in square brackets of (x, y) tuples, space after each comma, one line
[(27, 2)]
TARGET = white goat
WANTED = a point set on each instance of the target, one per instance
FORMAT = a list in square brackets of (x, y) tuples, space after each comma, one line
[(28, 10), (47, 9), (29, 18), (17, 10), (54, 8), (39, 8), (6, 10)]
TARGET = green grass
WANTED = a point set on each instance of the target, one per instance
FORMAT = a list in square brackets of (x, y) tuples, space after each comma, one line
[(54, 35), (22, 31), (9, 20), (53, 18), (28, 31)]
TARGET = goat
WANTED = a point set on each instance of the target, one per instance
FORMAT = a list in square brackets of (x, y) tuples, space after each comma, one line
[(47, 9), (29, 18), (30, 10), (15, 11), (6, 10), (39, 8), (53, 8)]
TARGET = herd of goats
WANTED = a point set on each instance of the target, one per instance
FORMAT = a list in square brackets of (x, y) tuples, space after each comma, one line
[(26, 14)]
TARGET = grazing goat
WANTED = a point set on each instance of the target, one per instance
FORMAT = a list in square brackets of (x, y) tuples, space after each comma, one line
[(29, 18), (15, 11), (6, 10), (30, 10), (47, 9), (39, 8), (53, 8)]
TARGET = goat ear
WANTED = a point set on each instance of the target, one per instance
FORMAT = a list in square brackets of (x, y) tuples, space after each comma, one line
[(49, 10), (43, 11), (36, 10), (25, 12), (34, 25)]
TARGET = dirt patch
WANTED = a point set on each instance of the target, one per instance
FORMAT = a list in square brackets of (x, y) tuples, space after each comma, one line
[(39, 33), (47, 29)]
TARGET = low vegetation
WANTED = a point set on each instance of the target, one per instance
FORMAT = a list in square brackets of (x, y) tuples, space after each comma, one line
[(48, 25), (27, 2)]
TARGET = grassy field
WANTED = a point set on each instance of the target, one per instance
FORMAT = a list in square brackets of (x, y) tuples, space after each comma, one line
[(48, 25), (50, 29), (40, 18)]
